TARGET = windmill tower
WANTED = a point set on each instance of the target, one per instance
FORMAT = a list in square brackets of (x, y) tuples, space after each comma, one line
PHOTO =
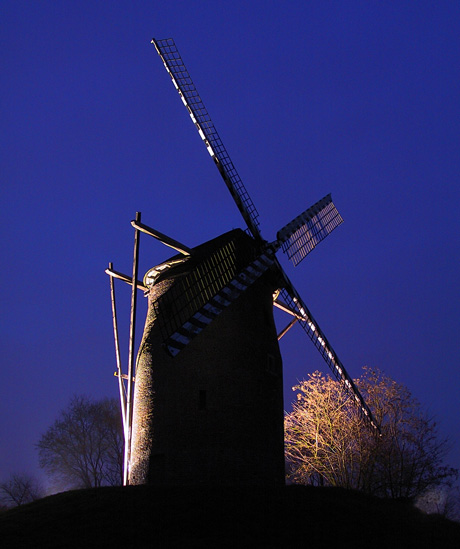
[(204, 403)]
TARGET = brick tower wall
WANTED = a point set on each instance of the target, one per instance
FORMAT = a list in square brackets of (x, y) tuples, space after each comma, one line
[(214, 413)]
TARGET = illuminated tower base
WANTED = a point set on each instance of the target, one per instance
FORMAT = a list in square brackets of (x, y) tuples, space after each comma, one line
[(212, 414)]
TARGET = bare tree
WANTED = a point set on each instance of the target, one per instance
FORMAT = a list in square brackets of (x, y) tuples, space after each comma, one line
[(19, 489), (329, 442), (319, 446), (84, 446)]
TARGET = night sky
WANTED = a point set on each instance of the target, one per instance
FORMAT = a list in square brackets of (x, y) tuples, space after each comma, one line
[(359, 99)]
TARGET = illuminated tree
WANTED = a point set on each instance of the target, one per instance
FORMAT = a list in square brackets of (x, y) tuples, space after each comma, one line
[(19, 489), (84, 446), (328, 441)]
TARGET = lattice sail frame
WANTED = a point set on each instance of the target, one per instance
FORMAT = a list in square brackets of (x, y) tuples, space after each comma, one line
[(184, 85), (306, 320), (227, 295), (308, 229), (194, 289)]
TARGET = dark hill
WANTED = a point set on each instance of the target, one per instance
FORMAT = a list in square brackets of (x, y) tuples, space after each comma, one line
[(295, 516)]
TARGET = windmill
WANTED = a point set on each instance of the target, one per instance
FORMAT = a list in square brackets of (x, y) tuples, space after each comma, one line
[(204, 401)]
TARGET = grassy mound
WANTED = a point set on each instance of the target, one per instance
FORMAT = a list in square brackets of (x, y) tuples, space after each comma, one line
[(143, 516)]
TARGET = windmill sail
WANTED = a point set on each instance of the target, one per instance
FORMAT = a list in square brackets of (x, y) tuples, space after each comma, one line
[(303, 233), (184, 85), (218, 303), (295, 303), (213, 277)]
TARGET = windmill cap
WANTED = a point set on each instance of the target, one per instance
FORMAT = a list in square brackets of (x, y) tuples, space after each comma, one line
[(179, 265)]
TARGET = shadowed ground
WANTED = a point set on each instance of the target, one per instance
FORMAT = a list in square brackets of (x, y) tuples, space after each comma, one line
[(143, 516)]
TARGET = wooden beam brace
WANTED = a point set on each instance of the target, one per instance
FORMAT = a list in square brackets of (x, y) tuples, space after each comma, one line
[(162, 238), (288, 327), (280, 305), (116, 274)]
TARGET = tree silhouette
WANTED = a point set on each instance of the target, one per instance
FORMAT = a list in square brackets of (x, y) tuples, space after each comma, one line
[(19, 489), (84, 446)]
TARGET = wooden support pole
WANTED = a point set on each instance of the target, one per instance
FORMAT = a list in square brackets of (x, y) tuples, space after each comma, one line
[(117, 354), (132, 335)]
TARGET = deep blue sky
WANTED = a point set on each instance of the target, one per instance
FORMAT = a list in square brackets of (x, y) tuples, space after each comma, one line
[(360, 99)]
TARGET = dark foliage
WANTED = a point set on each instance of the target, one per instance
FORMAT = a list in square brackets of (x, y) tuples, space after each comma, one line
[(303, 516)]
